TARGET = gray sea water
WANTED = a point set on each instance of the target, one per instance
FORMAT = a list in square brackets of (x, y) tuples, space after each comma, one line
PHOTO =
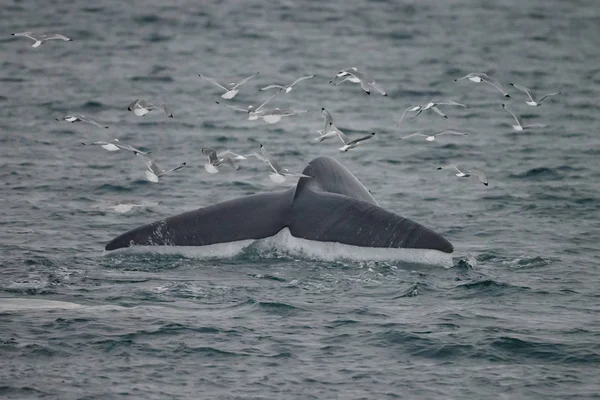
[(515, 317)]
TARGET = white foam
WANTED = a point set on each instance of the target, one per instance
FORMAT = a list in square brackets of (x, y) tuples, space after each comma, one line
[(16, 304), (284, 242)]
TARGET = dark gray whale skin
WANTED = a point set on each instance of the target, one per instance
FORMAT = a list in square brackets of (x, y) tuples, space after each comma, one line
[(331, 206)]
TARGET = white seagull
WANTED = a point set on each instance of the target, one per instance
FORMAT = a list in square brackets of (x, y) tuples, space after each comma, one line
[(431, 138), (354, 76), (279, 174), (478, 77), (529, 94), (273, 116), (142, 107), (40, 38), (215, 160), (80, 118), (466, 174), (252, 111), (329, 129), (289, 87), (520, 127), (154, 171), (115, 145), (124, 206), (233, 87), (432, 105), (350, 144)]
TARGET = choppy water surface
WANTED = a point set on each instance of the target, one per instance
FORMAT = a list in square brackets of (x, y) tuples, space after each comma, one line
[(517, 315)]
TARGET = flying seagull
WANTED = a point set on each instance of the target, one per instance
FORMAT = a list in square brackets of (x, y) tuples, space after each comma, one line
[(115, 145), (40, 38), (478, 77), (233, 87), (153, 171), (432, 105), (350, 144), (289, 87), (466, 174), (279, 173), (519, 120), (142, 107), (354, 76), (215, 160), (529, 94), (329, 129), (252, 111), (80, 118), (431, 138)]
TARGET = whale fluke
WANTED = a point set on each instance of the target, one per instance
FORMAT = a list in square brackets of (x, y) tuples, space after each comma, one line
[(330, 206)]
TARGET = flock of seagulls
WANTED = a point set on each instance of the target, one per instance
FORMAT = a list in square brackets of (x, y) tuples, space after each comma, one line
[(278, 174)]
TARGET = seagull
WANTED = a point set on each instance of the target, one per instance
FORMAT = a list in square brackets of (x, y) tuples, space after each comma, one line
[(354, 76), (432, 105), (233, 87), (288, 88), (154, 171), (124, 206), (279, 174), (42, 37), (142, 107), (252, 111), (349, 144), (478, 77), (462, 174), (329, 130), (273, 116), (431, 138), (519, 120), (215, 160), (80, 118), (115, 145), (407, 109), (528, 92)]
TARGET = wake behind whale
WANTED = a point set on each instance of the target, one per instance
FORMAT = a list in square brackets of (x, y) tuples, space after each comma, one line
[(331, 210)]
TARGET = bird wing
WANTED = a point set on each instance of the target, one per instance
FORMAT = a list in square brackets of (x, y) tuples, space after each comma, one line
[(272, 87), (167, 111), (133, 104), (272, 163), (90, 121), (464, 77), (524, 90), (479, 175), (301, 79), (233, 107), (413, 135), (547, 95), (26, 34), (226, 153), (362, 139), (339, 133), (450, 103), (495, 83), (438, 111), (57, 36), (451, 132), (96, 142), (171, 170), (229, 161), (214, 82), (212, 155), (243, 81), (508, 110), (266, 101), (130, 148)]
